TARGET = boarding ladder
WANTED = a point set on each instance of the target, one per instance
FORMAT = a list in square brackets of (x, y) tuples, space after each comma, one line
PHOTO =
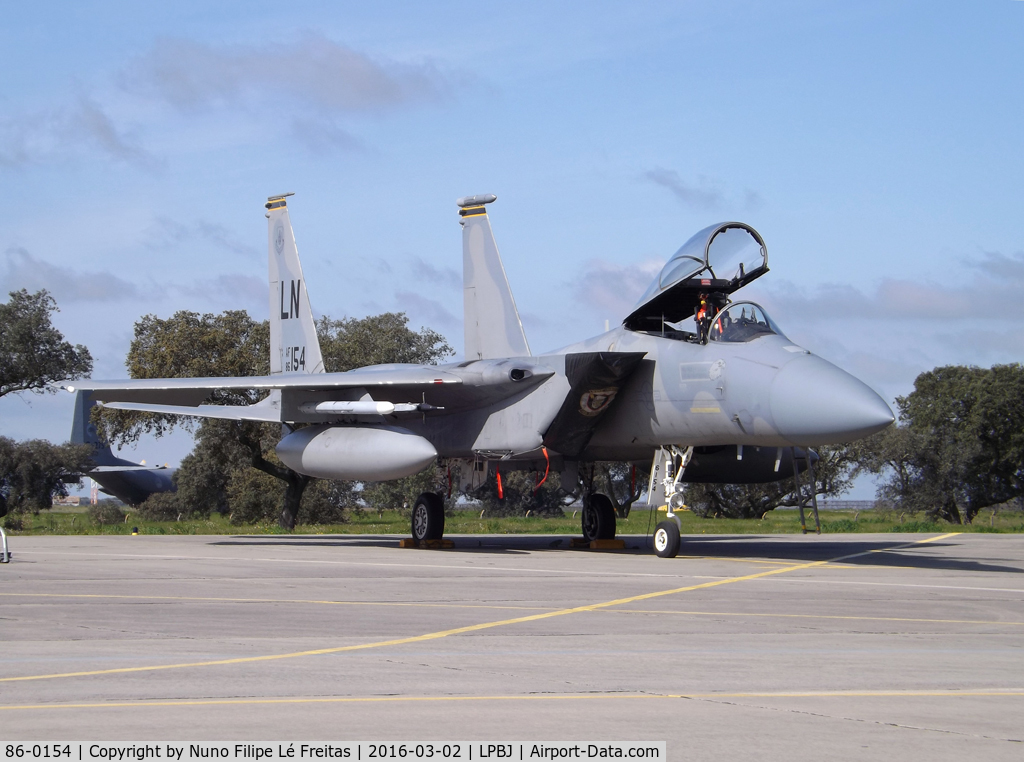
[(806, 490)]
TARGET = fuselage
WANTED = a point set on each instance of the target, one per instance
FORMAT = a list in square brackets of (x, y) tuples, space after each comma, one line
[(763, 392)]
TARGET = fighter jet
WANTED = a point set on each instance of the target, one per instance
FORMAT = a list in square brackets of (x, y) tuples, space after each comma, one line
[(129, 482), (733, 400)]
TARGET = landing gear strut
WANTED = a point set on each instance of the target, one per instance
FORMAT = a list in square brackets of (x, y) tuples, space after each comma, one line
[(666, 482), (428, 517)]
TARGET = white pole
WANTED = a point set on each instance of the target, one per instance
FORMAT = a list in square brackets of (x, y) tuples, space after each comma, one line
[(6, 557)]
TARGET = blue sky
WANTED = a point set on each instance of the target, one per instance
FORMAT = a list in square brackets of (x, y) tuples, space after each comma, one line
[(875, 146)]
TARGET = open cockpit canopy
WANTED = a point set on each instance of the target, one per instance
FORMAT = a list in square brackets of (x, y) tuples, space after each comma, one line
[(718, 260)]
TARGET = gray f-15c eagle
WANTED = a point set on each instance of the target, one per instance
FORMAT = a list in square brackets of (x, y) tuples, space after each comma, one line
[(730, 402)]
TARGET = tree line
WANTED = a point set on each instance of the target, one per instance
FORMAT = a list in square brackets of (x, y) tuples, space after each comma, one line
[(33, 355), (958, 446)]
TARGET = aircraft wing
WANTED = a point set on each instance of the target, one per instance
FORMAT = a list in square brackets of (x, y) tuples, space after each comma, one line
[(371, 391), (123, 469), (227, 412), (192, 391)]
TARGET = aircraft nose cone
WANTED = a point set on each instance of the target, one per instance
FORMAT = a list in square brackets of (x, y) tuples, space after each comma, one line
[(813, 403)]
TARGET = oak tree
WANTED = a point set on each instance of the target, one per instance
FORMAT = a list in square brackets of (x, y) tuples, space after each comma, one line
[(34, 354), (32, 473)]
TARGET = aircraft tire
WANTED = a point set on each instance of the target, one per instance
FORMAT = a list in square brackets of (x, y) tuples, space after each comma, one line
[(598, 518), (666, 539), (428, 517)]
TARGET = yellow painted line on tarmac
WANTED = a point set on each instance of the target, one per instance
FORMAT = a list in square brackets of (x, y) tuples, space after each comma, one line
[(206, 599), (445, 633), (416, 638), (819, 616), (977, 693), (940, 537), (920, 542)]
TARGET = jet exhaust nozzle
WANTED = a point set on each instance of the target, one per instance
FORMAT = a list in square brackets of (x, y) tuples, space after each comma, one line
[(364, 453)]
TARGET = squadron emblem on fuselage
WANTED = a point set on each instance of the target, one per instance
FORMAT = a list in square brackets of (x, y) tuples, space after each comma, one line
[(593, 402)]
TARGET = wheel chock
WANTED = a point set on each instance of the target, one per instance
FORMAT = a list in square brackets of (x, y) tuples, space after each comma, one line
[(409, 542), (580, 542), (607, 544)]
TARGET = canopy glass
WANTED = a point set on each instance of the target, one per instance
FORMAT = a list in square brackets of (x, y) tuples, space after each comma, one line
[(740, 322), (720, 258)]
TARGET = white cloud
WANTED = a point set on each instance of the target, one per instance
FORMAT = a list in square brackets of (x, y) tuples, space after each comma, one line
[(229, 291), (702, 195), (313, 71), (22, 270), (166, 233), (998, 265), (443, 276), (306, 87), (428, 310), (61, 133), (611, 290), (991, 287), (321, 135), (19, 269)]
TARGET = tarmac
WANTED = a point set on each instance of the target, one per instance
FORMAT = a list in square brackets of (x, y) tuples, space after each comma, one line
[(744, 647)]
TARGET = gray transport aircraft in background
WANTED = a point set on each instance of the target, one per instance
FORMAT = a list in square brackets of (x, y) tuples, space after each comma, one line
[(129, 482), (736, 402)]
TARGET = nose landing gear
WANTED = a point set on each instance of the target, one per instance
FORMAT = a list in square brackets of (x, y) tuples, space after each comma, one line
[(666, 476), (666, 539)]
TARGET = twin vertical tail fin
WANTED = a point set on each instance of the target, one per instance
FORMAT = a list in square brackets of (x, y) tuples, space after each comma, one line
[(493, 328), (294, 347), (492, 325)]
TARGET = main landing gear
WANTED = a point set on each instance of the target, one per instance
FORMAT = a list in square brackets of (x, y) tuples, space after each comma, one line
[(428, 517), (598, 514), (598, 518)]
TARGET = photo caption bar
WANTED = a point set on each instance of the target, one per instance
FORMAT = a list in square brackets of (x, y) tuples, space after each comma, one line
[(313, 752)]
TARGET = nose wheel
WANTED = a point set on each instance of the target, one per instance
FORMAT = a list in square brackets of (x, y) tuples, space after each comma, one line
[(666, 539), (428, 517), (667, 484)]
